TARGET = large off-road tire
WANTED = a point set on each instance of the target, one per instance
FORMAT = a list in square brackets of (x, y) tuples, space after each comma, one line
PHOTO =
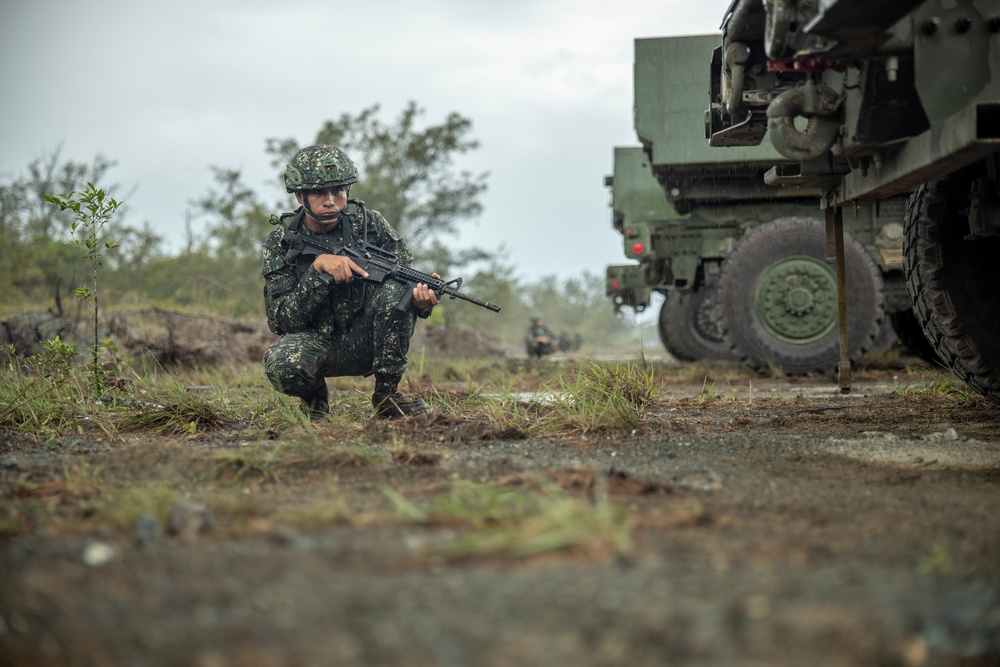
[(911, 336), (953, 282), (777, 298), (688, 326)]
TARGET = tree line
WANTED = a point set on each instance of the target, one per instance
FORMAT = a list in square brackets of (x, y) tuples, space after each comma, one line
[(408, 173)]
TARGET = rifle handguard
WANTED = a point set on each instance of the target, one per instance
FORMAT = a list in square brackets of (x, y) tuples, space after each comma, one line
[(380, 265)]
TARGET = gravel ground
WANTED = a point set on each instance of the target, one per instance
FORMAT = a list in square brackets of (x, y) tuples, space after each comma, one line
[(780, 524)]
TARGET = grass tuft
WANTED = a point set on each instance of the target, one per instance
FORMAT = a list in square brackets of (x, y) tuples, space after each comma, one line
[(947, 388), (521, 523), (597, 398), (254, 460)]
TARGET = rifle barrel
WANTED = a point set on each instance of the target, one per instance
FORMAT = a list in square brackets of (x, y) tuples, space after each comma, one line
[(455, 294)]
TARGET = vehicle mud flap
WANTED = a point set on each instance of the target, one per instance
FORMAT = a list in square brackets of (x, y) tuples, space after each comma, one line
[(817, 103)]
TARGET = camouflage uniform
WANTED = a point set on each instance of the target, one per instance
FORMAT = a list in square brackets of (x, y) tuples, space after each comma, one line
[(533, 346), (330, 329)]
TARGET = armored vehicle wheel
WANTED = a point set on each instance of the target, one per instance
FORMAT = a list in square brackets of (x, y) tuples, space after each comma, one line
[(953, 282), (777, 298), (911, 335), (688, 327)]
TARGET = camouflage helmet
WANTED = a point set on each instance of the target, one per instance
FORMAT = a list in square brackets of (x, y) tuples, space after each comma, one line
[(316, 167)]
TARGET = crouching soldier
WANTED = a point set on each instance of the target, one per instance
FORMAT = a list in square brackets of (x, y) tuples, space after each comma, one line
[(332, 323)]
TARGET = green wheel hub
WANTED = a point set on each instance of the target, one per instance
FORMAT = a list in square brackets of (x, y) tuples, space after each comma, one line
[(796, 300)]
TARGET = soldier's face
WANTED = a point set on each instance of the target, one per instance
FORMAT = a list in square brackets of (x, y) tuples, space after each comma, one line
[(328, 201)]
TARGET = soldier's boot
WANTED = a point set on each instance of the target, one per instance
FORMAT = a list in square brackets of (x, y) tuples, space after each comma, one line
[(390, 404), (317, 404)]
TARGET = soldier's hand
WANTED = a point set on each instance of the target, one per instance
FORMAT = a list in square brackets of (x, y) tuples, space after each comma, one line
[(341, 269), (424, 297)]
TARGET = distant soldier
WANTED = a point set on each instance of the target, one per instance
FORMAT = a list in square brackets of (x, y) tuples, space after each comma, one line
[(330, 324), (540, 341), (569, 342)]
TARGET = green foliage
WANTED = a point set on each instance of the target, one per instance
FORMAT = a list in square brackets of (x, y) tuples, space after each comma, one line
[(201, 282), (56, 364), (42, 393), (43, 268), (92, 208), (34, 258), (25, 213)]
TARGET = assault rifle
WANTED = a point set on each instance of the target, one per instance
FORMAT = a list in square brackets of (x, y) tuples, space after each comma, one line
[(381, 265)]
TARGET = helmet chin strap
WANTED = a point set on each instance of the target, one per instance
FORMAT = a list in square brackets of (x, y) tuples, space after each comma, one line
[(322, 219)]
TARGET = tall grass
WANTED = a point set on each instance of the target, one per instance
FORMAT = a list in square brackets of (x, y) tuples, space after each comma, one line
[(598, 398), (43, 392), (49, 394)]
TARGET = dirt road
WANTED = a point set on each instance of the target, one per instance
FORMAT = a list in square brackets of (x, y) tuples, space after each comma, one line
[(774, 523)]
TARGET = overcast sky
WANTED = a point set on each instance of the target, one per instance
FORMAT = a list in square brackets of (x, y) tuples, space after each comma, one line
[(168, 89)]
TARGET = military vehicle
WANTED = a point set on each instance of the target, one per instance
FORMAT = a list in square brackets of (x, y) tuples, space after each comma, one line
[(868, 101), (690, 214), (684, 249)]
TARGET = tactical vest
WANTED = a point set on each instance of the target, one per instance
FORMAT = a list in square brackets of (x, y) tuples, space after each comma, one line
[(344, 300)]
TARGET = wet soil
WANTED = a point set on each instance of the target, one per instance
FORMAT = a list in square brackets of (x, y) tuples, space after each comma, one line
[(779, 522)]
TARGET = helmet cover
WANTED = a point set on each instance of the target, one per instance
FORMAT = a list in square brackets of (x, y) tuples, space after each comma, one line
[(318, 167)]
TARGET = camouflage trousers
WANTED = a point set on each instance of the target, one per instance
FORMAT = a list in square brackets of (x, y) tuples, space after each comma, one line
[(376, 340)]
